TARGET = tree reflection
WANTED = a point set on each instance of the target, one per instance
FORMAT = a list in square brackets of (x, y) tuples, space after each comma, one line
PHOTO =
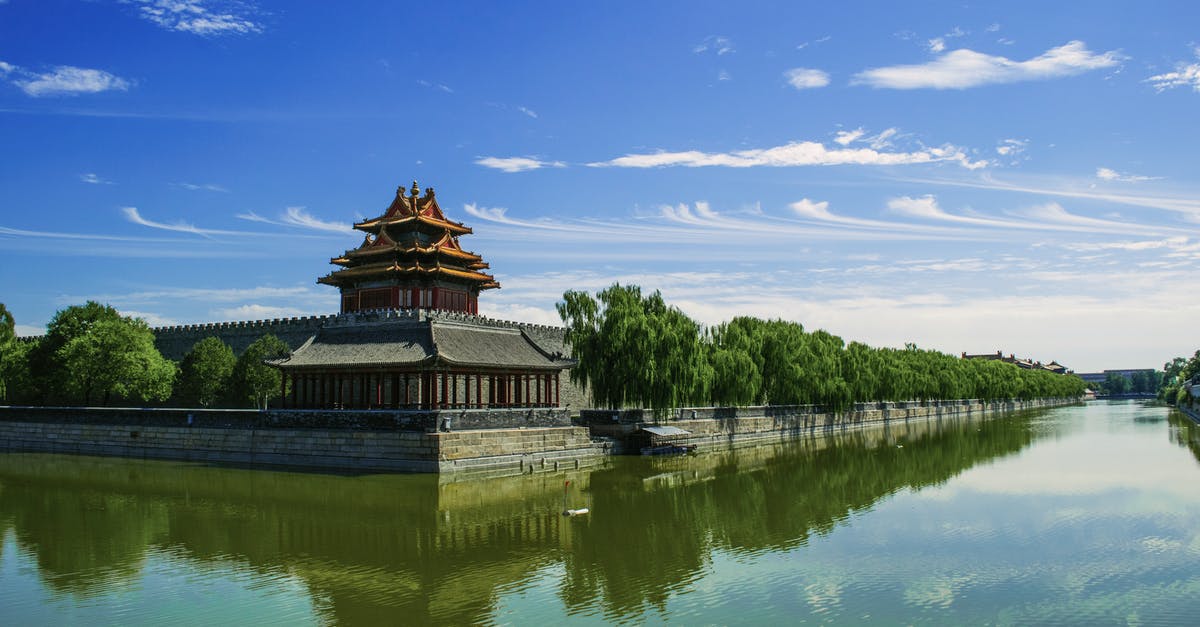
[(414, 549)]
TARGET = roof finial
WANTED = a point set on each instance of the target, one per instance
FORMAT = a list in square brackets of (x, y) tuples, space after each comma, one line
[(416, 190)]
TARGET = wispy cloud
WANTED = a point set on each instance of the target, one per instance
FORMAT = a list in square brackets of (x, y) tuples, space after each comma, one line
[(527, 111), (298, 217), (805, 44), (1185, 75), (201, 17), (63, 80), (133, 215), (937, 44), (804, 153), (806, 78), (206, 187), (963, 69), (517, 164), (94, 179), (1070, 188), (1011, 147), (845, 138), (1108, 174), (437, 86), (719, 44), (1048, 216)]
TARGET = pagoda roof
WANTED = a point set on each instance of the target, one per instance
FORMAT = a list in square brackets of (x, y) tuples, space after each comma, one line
[(383, 244), (408, 343), (411, 268), (412, 212)]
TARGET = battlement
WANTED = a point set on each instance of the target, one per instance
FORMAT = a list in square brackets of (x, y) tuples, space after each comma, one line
[(265, 325), (175, 341)]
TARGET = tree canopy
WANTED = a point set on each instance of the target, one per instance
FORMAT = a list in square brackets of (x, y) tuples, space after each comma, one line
[(635, 350), (204, 373), (254, 382), (115, 357)]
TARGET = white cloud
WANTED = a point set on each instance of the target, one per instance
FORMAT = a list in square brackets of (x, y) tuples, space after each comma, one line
[(803, 45), (6, 69), (297, 216), (962, 69), (66, 80), (437, 86), (724, 75), (133, 215), (845, 138), (1108, 174), (527, 111), (152, 319), (200, 17), (258, 312), (207, 187), (1011, 147), (517, 164), (715, 43), (1185, 75), (805, 153), (994, 27), (93, 179), (805, 78), (937, 44)]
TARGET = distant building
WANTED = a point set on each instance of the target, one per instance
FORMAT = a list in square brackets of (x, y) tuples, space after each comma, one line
[(1026, 364)]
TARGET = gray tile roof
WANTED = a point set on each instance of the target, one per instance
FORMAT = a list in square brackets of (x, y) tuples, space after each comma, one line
[(408, 343)]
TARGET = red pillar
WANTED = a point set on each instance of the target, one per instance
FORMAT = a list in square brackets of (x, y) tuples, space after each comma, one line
[(445, 384), (379, 389)]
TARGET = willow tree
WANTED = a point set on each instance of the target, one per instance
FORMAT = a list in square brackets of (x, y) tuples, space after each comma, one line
[(634, 349)]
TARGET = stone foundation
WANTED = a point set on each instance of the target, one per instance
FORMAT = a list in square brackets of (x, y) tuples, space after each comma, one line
[(715, 427), (256, 438)]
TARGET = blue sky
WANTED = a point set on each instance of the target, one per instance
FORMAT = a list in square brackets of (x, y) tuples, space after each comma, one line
[(969, 177)]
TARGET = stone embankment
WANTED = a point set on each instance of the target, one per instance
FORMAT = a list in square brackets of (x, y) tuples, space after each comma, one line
[(712, 427), (343, 441), (472, 442)]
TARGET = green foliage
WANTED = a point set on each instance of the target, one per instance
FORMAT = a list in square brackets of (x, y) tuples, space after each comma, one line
[(254, 383), (115, 357), (15, 382), (635, 350), (13, 364), (205, 372), (48, 375), (1175, 376)]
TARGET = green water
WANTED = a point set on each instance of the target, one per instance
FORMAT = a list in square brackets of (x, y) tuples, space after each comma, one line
[(1080, 515)]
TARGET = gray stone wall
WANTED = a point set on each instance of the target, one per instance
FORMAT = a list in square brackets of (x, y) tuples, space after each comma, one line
[(261, 438), (175, 342), (353, 420)]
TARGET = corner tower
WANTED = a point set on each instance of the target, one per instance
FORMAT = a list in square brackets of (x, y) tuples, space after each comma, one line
[(410, 258)]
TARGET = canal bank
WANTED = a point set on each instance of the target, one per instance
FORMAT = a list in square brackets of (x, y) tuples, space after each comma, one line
[(471, 442)]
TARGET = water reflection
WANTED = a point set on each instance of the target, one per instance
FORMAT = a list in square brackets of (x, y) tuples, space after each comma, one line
[(415, 549), (1185, 432)]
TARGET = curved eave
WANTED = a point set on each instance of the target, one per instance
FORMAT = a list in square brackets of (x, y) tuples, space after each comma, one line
[(371, 226), (411, 250), (338, 277)]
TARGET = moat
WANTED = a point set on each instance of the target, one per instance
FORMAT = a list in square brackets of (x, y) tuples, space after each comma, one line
[(1079, 515)]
